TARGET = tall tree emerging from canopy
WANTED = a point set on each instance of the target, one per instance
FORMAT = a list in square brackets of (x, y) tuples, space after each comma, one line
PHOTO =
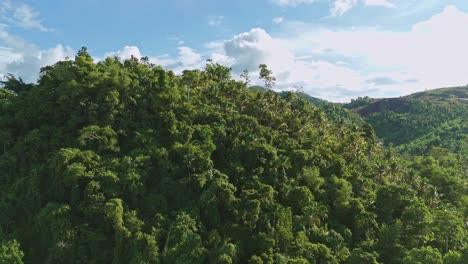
[(245, 77), (267, 76)]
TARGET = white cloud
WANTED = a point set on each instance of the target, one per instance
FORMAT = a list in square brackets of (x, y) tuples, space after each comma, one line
[(222, 59), (188, 57), (383, 3), (55, 54), (333, 64), (318, 77), (278, 20), (215, 46), (7, 56), (342, 64), (126, 53), (13, 42), (215, 21), (431, 54), (21, 15), (24, 59), (252, 48), (28, 62), (164, 61), (340, 7), (292, 2)]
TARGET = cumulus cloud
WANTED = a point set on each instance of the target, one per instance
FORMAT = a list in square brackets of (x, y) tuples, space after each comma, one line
[(27, 66), (7, 56), (431, 54), (342, 64), (187, 58), (222, 59), (24, 59), (126, 53), (317, 77), (17, 56), (21, 15), (251, 48)]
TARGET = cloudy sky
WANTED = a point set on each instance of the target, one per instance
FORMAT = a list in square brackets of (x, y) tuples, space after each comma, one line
[(331, 49)]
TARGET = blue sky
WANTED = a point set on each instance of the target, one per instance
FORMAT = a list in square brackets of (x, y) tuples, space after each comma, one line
[(332, 49)]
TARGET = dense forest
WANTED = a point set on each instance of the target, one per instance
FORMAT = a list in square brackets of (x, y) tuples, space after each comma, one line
[(416, 123), (125, 162)]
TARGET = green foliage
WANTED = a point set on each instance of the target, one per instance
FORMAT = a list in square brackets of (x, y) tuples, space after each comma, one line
[(183, 244), (418, 122), (423, 255), (267, 76), (10, 252), (124, 162), (98, 138), (388, 245), (358, 256), (359, 102)]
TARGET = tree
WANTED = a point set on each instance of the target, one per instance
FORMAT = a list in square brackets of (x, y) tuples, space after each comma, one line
[(448, 229), (99, 138), (267, 76), (183, 244), (424, 255), (10, 252), (358, 256), (245, 76), (388, 245)]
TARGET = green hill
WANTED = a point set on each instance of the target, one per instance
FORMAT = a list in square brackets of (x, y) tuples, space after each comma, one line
[(421, 119), (334, 112), (314, 100), (454, 94), (125, 162)]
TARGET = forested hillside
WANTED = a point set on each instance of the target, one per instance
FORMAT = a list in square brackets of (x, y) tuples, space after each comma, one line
[(417, 122), (125, 162)]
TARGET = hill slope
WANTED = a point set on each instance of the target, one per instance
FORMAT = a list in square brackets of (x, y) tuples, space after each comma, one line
[(421, 119), (125, 162), (453, 94)]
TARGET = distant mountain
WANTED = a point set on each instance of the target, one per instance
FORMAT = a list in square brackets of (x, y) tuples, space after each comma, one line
[(366, 106), (314, 100), (421, 119), (455, 94)]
